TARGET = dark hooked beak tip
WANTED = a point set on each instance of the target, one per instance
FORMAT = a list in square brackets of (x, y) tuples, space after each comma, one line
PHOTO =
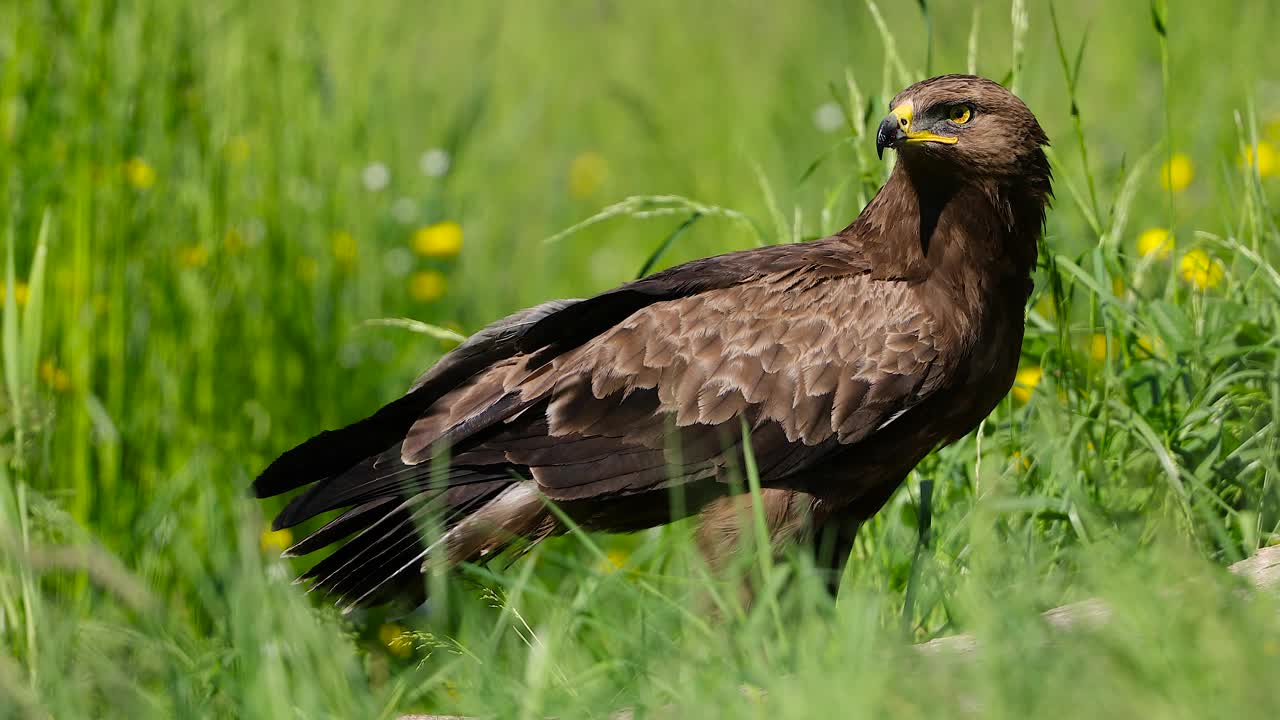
[(887, 135)]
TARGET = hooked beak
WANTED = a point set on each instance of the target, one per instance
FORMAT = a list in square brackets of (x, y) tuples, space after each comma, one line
[(888, 135), (895, 130)]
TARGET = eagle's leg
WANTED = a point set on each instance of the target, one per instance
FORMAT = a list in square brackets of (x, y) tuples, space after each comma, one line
[(832, 545), (837, 524), (725, 526)]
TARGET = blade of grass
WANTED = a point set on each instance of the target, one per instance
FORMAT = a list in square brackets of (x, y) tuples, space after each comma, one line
[(666, 245)]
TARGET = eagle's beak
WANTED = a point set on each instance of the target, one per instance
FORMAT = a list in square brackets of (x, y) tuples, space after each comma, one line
[(896, 130), (888, 135)]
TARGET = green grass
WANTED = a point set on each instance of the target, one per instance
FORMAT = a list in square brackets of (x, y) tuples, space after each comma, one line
[(181, 306)]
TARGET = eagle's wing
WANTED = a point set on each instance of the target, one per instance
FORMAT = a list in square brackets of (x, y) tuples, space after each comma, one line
[(550, 328), (630, 391)]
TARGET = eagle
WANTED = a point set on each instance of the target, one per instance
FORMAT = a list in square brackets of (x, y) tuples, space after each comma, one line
[(835, 365)]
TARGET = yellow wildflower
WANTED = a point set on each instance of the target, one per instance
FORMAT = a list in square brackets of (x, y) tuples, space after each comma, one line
[(1098, 347), (614, 560), (21, 293), (1200, 270), (275, 541), (397, 639), (1265, 157), (307, 269), (1019, 460), (442, 239), (193, 256), (1152, 346), (587, 174), (1176, 174), (1155, 241), (345, 249), (54, 376), (427, 285), (237, 149), (1025, 382), (139, 174)]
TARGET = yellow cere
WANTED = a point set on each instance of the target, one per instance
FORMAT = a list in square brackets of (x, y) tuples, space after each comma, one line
[(1200, 270), (1156, 241), (1177, 173), (440, 240), (1025, 382), (905, 114)]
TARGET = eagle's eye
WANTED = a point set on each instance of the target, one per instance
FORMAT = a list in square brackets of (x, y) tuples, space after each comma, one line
[(959, 114)]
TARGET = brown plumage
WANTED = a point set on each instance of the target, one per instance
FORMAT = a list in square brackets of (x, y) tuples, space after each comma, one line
[(848, 358)]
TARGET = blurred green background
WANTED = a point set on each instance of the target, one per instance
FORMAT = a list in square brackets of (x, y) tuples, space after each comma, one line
[(204, 205)]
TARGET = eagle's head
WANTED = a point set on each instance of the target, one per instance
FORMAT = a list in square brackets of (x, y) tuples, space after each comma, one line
[(964, 124)]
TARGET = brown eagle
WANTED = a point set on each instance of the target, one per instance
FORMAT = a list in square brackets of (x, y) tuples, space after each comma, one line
[(843, 361)]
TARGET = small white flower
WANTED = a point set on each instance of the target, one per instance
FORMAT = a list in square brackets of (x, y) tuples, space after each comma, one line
[(828, 117), (434, 162), (375, 176), (404, 210), (398, 261)]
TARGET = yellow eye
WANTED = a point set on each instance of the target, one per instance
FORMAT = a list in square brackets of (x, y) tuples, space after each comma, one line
[(959, 114)]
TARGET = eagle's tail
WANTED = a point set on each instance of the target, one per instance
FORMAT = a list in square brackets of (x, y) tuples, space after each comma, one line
[(393, 540), (399, 518)]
